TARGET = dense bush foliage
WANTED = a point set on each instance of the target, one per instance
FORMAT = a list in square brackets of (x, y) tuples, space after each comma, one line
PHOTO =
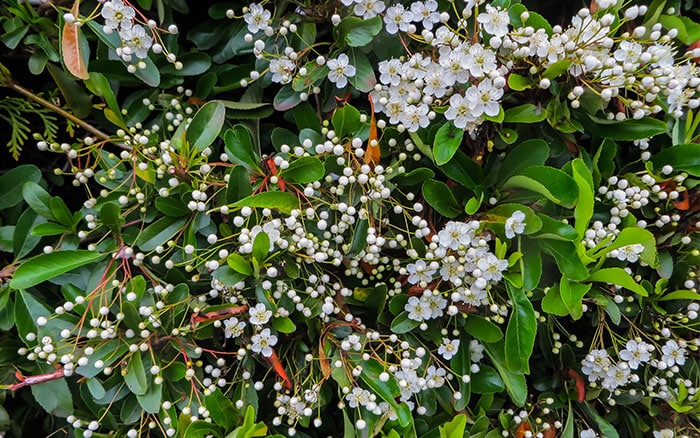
[(350, 217)]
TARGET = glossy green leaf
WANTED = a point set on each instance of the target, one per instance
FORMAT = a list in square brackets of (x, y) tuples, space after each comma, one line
[(364, 79), (206, 125), (515, 383), (282, 201), (526, 113), (447, 141), (203, 429), (47, 266), (387, 391), (586, 196), (152, 399), (486, 381), (239, 147), (346, 120), (483, 329), (48, 229), (555, 229), (684, 157), (530, 264), (12, 181), (304, 170), (553, 183), (532, 152), (557, 69), (135, 374), (356, 32), (572, 294), (111, 216), (38, 199), (239, 263), (221, 409), (566, 256), (628, 130), (440, 197), (54, 396), (619, 277), (552, 302), (159, 232), (521, 330), (518, 83), (284, 325), (286, 99), (463, 170), (403, 324), (173, 207), (680, 295), (261, 247), (454, 428)]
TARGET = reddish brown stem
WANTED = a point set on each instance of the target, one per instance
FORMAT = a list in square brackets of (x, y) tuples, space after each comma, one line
[(198, 317), (33, 380)]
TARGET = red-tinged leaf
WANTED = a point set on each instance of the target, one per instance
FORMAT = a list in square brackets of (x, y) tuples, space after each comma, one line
[(71, 49)]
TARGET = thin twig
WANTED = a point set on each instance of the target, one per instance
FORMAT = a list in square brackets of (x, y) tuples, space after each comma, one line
[(33, 380)]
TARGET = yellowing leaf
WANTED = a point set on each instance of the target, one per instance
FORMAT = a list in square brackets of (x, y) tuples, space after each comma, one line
[(71, 48)]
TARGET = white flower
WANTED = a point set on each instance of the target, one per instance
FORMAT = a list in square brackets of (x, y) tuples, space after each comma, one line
[(605, 4), (595, 365), (426, 12), (368, 8), (491, 267), (494, 21), (339, 70), (135, 41), (448, 348), (397, 18), (435, 377), (420, 271), (483, 98), (233, 328), (455, 234), (358, 397), (616, 376), (664, 433), (259, 314), (418, 310), (476, 351), (460, 111), (282, 69), (636, 353), (673, 353), (117, 14), (263, 342), (630, 252), (257, 18), (515, 224), (588, 433)]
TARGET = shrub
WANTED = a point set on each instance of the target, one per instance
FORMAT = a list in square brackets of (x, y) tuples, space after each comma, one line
[(383, 218)]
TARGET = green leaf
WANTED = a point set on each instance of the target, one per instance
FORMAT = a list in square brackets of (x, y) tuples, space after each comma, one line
[(38, 199), (440, 197), (684, 157), (454, 428), (48, 229), (54, 396), (304, 170), (135, 374), (284, 325), (364, 79), (553, 183), (47, 266), (680, 295), (100, 86), (151, 400), (463, 170), (518, 83), (628, 130), (633, 236), (557, 69), (552, 302), (239, 147), (28, 309), (193, 63), (567, 258), (447, 141), (238, 184), (572, 294), (486, 381), (239, 263), (527, 113), (521, 330), (282, 201), (555, 229), (403, 324), (286, 99), (356, 32), (173, 207), (203, 429), (346, 120), (159, 232), (483, 329), (586, 196), (461, 365), (111, 216), (12, 182), (221, 409), (620, 277), (530, 264), (387, 391), (532, 152), (261, 246), (74, 93), (515, 383), (206, 125)]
